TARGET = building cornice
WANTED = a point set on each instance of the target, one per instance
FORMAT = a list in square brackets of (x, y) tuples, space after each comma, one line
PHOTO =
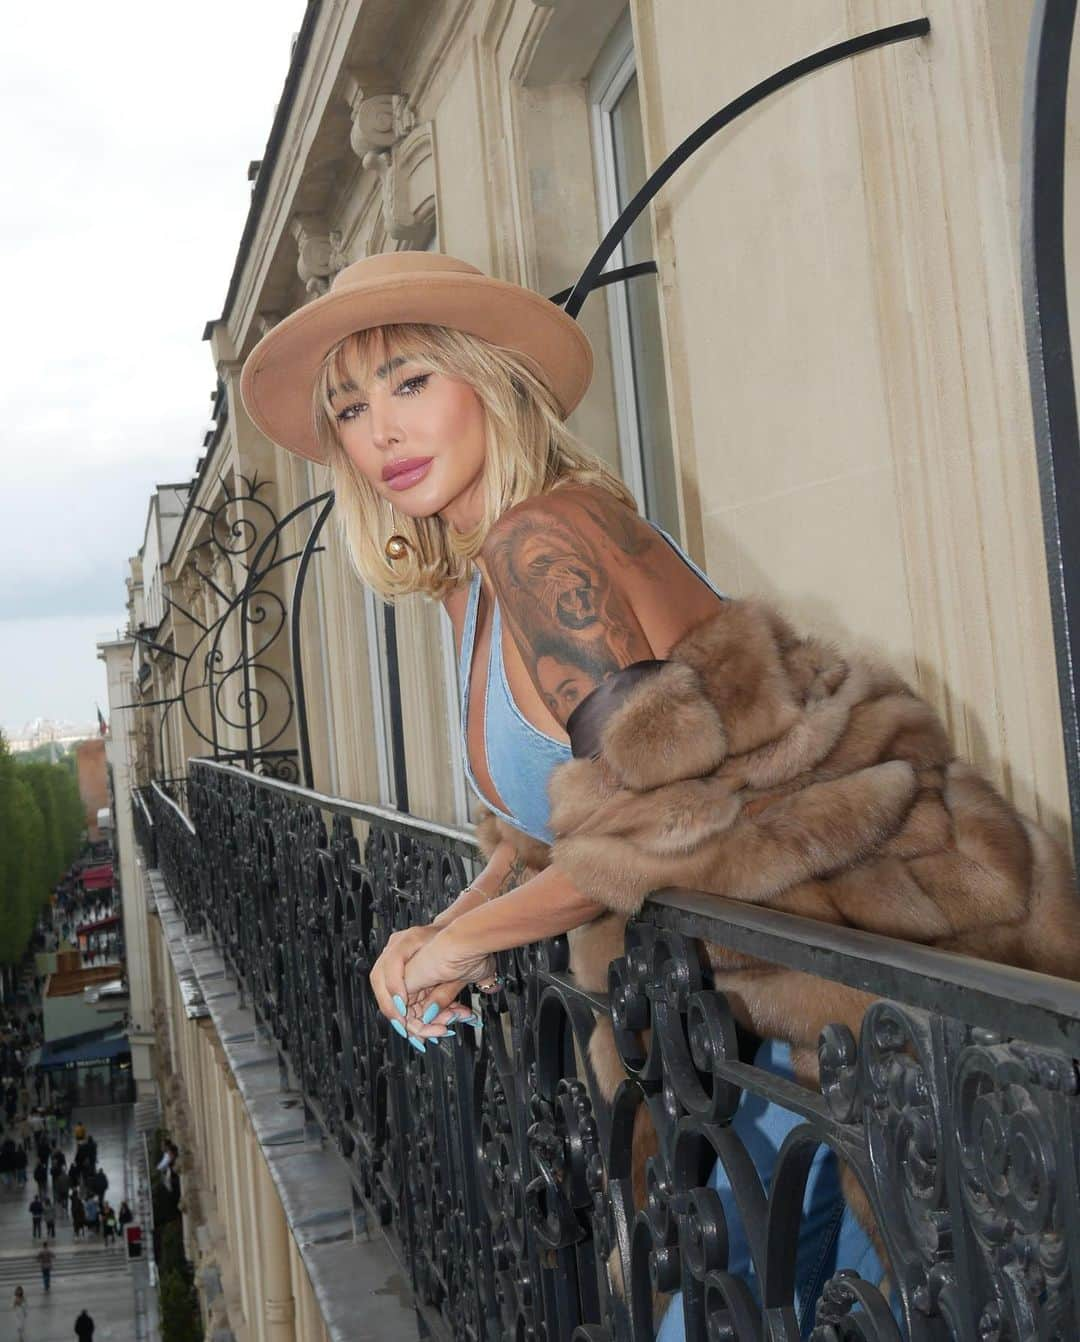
[(269, 160)]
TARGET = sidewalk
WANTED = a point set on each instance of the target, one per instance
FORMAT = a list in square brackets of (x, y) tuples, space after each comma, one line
[(85, 1274)]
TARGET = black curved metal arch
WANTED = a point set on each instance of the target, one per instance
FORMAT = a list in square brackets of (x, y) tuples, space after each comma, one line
[(299, 692), (853, 46), (1050, 363)]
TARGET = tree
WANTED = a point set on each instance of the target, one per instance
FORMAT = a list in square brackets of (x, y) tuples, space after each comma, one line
[(22, 837), (41, 827)]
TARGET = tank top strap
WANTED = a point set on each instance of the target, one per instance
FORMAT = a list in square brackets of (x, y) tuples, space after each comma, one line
[(468, 639), (694, 568)]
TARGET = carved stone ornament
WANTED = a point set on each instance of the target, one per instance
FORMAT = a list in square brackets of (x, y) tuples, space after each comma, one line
[(398, 218), (380, 119), (381, 122), (266, 321), (319, 255), (191, 594), (222, 574)]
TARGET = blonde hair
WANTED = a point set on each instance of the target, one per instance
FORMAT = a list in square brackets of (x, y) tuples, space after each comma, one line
[(529, 451)]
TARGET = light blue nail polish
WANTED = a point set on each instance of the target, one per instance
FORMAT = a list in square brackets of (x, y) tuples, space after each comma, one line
[(430, 1013), (417, 1044), (400, 1028), (445, 1033), (399, 1004)]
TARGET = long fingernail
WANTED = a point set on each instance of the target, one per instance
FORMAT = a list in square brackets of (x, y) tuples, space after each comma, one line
[(416, 1043), (399, 1028), (430, 1014), (397, 1001), (447, 1034)]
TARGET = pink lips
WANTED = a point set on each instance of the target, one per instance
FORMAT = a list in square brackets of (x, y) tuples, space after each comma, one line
[(407, 472)]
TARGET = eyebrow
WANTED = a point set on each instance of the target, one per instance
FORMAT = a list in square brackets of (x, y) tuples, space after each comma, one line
[(383, 371)]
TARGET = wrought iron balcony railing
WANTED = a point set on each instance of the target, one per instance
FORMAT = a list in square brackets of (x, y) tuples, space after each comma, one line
[(501, 1177)]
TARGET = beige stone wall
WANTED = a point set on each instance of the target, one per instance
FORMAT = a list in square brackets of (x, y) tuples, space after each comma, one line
[(233, 1218), (841, 279)]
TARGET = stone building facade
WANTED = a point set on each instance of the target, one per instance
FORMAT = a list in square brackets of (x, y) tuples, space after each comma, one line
[(822, 392)]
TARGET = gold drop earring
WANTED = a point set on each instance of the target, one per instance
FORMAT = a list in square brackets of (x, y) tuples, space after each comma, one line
[(397, 547)]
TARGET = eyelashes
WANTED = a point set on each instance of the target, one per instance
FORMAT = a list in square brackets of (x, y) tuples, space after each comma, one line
[(412, 386)]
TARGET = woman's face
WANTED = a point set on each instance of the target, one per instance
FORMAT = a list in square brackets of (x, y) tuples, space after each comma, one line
[(418, 438)]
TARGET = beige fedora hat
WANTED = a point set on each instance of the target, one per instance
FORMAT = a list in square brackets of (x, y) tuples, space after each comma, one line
[(278, 379)]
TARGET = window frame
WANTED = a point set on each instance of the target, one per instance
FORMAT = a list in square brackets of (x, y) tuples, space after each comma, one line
[(615, 67)]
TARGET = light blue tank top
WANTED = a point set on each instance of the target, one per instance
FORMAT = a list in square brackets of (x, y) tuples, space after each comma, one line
[(520, 758)]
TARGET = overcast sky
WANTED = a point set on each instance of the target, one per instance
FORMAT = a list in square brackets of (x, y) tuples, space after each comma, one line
[(127, 132)]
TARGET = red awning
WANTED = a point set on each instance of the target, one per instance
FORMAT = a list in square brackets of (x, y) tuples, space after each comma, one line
[(97, 878), (102, 923)]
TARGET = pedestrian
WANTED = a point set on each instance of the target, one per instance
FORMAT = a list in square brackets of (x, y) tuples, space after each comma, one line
[(8, 1161), (18, 1313), (49, 1215), (45, 1259), (92, 1212), (78, 1214), (41, 1176), (99, 1182), (126, 1215), (36, 1209), (108, 1224), (84, 1327), (80, 1133), (61, 1187)]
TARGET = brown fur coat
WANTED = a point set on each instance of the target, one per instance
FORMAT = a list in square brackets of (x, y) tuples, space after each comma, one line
[(767, 767)]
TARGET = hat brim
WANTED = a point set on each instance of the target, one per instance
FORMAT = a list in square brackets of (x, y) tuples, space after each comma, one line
[(278, 379)]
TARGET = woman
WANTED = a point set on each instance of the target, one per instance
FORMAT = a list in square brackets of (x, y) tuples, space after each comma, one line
[(19, 1312), (438, 397)]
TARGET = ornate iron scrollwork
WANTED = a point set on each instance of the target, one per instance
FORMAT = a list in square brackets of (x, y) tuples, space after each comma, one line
[(528, 1203)]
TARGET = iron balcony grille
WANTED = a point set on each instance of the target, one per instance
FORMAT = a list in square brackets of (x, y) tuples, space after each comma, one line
[(499, 1174)]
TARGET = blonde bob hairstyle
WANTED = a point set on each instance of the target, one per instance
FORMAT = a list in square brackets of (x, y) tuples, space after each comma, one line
[(529, 452)]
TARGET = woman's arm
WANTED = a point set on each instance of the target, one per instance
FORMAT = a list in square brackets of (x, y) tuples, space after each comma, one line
[(483, 887), (545, 906), (386, 977), (565, 568)]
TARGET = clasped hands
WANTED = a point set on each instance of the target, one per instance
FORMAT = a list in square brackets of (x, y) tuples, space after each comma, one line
[(417, 980)]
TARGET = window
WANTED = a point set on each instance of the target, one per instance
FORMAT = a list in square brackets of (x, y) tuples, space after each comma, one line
[(648, 462)]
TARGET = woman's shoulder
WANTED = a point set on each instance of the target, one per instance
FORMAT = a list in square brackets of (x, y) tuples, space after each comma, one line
[(588, 512)]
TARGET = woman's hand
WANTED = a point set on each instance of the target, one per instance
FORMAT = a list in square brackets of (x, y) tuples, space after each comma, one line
[(387, 979), (442, 960)]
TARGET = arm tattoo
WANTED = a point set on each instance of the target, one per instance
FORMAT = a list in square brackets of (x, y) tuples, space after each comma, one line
[(513, 878), (569, 619)]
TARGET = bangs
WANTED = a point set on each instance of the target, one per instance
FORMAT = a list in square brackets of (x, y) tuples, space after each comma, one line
[(353, 364)]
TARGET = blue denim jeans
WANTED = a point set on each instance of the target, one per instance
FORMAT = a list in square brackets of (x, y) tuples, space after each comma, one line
[(829, 1235)]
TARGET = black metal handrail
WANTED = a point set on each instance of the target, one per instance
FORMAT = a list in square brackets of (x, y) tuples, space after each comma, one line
[(501, 1173)]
